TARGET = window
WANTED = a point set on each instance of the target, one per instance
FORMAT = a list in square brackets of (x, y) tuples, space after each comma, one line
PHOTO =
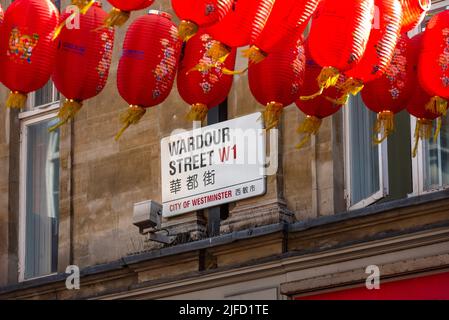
[(366, 173), (431, 165), (375, 173), (39, 185)]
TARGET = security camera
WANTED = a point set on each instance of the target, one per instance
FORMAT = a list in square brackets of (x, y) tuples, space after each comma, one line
[(147, 215)]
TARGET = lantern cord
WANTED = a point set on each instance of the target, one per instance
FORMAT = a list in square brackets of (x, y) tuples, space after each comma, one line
[(218, 52), (84, 6), (272, 114), (423, 130), (350, 87), (437, 105), (308, 127), (117, 18), (16, 100), (67, 112), (201, 67), (339, 101), (254, 54), (198, 112), (327, 78), (130, 117), (187, 30), (384, 126), (205, 67), (228, 72)]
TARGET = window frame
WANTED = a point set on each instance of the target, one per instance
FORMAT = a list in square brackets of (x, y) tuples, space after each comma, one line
[(383, 168), (35, 115), (418, 161)]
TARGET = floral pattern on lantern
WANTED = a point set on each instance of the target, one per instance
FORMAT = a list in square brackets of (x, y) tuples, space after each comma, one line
[(210, 86)]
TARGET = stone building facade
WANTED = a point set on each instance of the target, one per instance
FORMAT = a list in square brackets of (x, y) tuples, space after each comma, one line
[(321, 222)]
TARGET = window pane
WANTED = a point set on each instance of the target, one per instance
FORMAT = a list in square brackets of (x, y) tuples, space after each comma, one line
[(44, 95), (436, 159), (364, 159), (42, 199)]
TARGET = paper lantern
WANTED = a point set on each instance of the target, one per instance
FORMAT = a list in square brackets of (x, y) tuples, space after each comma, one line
[(121, 10), (235, 30), (275, 82), (199, 13), (208, 88), (319, 108), (424, 118), (390, 93), (416, 105), (27, 50), (339, 34), (287, 17), (148, 64), (380, 49), (82, 61), (414, 12), (433, 67)]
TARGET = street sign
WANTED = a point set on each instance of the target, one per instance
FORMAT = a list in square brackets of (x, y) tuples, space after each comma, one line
[(213, 165)]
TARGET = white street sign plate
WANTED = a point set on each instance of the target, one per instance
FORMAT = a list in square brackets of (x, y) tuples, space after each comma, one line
[(213, 165)]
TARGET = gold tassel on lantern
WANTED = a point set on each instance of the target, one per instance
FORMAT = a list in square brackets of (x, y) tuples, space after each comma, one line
[(423, 130), (67, 112), (117, 18), (129, 117), (198, 112), (254, 54), (218, 52), (437, 105), (308, 127), (201, 67), (350, 87), (383, 126), (16, 100), (327, 78), (204, 67), (228, 72), (272, 114), (187, 30)]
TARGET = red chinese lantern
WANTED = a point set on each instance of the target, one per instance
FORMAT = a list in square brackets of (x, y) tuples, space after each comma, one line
[(414, 12), (209, 87), (287, 17), (275, 82), (433, 67), (390, 93), (199, 13), (27, 50), (236, 28), (82, 61), (315, 109), (338, 38), (121, 10), (424, 118), (148, 65), (419, 99), (380, 49)]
